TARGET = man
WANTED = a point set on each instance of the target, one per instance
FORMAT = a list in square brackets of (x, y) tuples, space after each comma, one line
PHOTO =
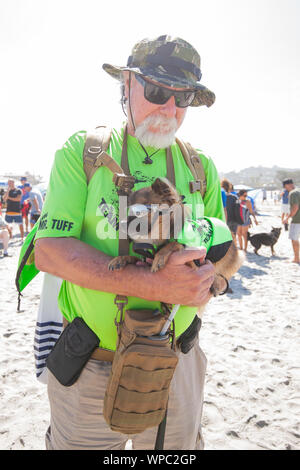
[(160, 81), (36, 203), (25, 204), (4, 235), (23, 180), (285, 207), (13, 206), (294, 202), (231, 200), (224, 200)]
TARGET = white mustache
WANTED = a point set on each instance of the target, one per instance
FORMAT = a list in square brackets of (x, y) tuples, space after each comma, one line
[(162, 139)]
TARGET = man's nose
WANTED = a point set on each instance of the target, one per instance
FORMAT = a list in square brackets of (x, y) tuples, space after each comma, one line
[(169, 108)]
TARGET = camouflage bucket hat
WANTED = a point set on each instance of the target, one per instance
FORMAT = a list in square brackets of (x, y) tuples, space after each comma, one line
[(169, 61)]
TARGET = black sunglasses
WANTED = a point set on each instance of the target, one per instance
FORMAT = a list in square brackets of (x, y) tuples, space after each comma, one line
[(160, 95)]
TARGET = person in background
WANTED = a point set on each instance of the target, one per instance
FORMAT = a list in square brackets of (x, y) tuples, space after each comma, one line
[(2, 192), (264, 195), (4, 235), (242, 230), (36, 201), (230, 202), (294, 213), (25, 204), (13, 198), (224, 199), (285, 207), (23, 180)]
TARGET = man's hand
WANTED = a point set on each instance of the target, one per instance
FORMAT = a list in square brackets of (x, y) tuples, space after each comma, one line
[(180, 284)]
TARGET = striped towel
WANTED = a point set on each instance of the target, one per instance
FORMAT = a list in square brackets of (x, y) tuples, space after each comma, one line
[(49, 324)]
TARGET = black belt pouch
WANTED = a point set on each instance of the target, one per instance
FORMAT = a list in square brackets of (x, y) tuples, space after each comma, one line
[(71, 352)]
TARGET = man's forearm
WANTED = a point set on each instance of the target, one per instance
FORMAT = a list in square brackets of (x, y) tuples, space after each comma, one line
[(18, 198), (84, 265), (293, 211), (36, 204)]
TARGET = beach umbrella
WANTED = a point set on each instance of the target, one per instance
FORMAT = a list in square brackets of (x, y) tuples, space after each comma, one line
[(242, 186)]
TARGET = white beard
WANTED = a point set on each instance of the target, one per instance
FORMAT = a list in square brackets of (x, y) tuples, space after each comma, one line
[(159, 140)]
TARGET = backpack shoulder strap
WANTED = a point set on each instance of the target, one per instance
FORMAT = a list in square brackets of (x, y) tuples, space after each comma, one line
[(195, 164), (94, 153)]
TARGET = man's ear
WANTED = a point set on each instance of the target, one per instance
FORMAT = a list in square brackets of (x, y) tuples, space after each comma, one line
[(126, 84)]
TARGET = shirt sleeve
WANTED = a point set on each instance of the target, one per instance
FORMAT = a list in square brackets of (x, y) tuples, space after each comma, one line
[(64, 206), (213, 205), (224, 197), (294, 198)]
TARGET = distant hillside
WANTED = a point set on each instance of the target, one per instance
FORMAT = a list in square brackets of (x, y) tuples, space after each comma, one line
[(33, 179), (260, 176)]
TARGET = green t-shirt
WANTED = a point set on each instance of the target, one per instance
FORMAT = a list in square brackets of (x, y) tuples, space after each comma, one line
[(294, 198), (90, 213)]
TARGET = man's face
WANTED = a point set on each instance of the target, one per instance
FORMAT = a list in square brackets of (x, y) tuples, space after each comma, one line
[(289, 187), (155, 123), (11, 184)]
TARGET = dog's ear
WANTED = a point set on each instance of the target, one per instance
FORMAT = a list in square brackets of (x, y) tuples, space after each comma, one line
[(166, 190)]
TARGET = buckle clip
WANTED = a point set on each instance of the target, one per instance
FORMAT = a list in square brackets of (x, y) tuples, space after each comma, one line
[(195, 186), (124, 183), (120, 301)]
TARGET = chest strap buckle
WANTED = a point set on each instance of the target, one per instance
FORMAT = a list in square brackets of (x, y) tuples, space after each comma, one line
[(124, 182), (195, 186)]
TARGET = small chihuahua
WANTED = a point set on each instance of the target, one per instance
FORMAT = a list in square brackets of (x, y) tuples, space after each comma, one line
[(147, 208)]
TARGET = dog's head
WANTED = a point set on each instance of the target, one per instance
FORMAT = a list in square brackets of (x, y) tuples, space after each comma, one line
[(276, 231), (155, 213)]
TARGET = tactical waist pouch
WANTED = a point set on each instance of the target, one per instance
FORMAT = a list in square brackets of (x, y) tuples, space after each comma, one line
[(71, 352), (137, 393)]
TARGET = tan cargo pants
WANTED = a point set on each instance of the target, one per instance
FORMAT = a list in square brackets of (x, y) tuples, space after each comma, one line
[(77, 420)]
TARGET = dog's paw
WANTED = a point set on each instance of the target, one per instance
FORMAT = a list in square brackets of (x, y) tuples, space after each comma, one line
[(213, 290), (116, 264), (218, 286), (158, 263)]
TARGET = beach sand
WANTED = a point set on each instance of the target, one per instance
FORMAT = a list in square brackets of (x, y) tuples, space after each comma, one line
[(250, 338)]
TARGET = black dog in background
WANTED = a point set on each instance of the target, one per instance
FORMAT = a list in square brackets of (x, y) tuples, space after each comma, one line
[(267, 239)]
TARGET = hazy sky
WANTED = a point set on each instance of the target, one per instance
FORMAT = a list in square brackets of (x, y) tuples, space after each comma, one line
[(52, 83)]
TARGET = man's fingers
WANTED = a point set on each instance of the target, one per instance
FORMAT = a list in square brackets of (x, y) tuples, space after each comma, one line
[(188, 254)]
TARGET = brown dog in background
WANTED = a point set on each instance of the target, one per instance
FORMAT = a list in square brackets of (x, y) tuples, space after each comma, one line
[(164, 197)]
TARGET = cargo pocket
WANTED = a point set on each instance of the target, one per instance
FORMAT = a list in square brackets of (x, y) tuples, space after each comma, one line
[(137, 394)]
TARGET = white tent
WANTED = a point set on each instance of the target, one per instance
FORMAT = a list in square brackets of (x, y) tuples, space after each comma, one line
[(42, 187), (4, 179)]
